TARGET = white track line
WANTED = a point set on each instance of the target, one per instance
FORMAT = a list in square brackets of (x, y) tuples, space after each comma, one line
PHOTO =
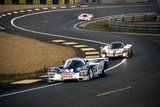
[(27, 90), (48, 34), (123, 61), (114, 91)]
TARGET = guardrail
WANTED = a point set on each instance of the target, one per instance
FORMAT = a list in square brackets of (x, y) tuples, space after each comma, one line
[(136, 22)]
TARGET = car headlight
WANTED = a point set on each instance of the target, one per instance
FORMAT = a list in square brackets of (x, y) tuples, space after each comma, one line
[(50, 74), (103, 54), (124, 54)]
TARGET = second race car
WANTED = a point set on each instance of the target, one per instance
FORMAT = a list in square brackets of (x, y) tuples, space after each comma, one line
[(80, 69), (85, 17), (117, 49)]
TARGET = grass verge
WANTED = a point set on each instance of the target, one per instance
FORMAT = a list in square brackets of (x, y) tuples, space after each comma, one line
[(97, 25), (22, 57), (11, 77)]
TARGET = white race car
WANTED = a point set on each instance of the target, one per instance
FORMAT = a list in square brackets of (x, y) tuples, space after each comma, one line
[(85, 17), (78, 69), (117, 49)]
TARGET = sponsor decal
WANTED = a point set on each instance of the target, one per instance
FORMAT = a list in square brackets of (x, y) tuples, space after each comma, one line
[(67, 75)]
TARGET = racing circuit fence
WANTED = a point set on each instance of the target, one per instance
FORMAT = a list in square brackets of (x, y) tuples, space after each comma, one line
[(62, 2), (141, 22)]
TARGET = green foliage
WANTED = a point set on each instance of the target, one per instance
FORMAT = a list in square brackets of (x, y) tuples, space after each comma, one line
[(98, 26)]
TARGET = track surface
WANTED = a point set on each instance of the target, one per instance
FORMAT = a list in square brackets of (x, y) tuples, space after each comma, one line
[(134, 83)]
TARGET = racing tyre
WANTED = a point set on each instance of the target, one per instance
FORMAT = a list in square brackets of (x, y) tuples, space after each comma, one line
[(105, 67), (130, 53), (90, 74), (50, 81), (103, 73)]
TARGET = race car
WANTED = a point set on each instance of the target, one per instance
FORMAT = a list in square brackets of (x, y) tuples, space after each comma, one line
[(116, 49), (85, 17), (80, 69)]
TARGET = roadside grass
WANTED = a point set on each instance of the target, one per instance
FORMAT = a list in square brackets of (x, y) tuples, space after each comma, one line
[(18, 53), (11, 77), (99, 25)]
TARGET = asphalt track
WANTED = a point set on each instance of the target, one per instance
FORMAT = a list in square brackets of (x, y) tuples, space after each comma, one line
[(134, 83)]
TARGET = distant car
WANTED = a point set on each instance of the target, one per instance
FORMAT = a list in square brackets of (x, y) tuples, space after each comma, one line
[(80, 69), (117, 49), (85, 17)]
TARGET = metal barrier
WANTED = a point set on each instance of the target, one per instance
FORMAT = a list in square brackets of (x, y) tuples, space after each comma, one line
[(135, 22)]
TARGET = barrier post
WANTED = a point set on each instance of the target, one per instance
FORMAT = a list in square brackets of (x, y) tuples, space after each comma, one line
[(133, 19), (8, 1), (145, 17), (49, 2), (146, 28), (22, 1), (36, 1), (118, 26), (123, 19), (71, 2), (76, 1), (135, 27), (62, 2)]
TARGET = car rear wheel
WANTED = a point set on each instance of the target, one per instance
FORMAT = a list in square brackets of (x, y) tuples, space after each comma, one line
[(104, 68), (90, 74), (130, 53)]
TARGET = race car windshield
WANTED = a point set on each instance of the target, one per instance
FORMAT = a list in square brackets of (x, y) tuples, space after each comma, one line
[(85, 15), (73, 64), (116, 46)]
